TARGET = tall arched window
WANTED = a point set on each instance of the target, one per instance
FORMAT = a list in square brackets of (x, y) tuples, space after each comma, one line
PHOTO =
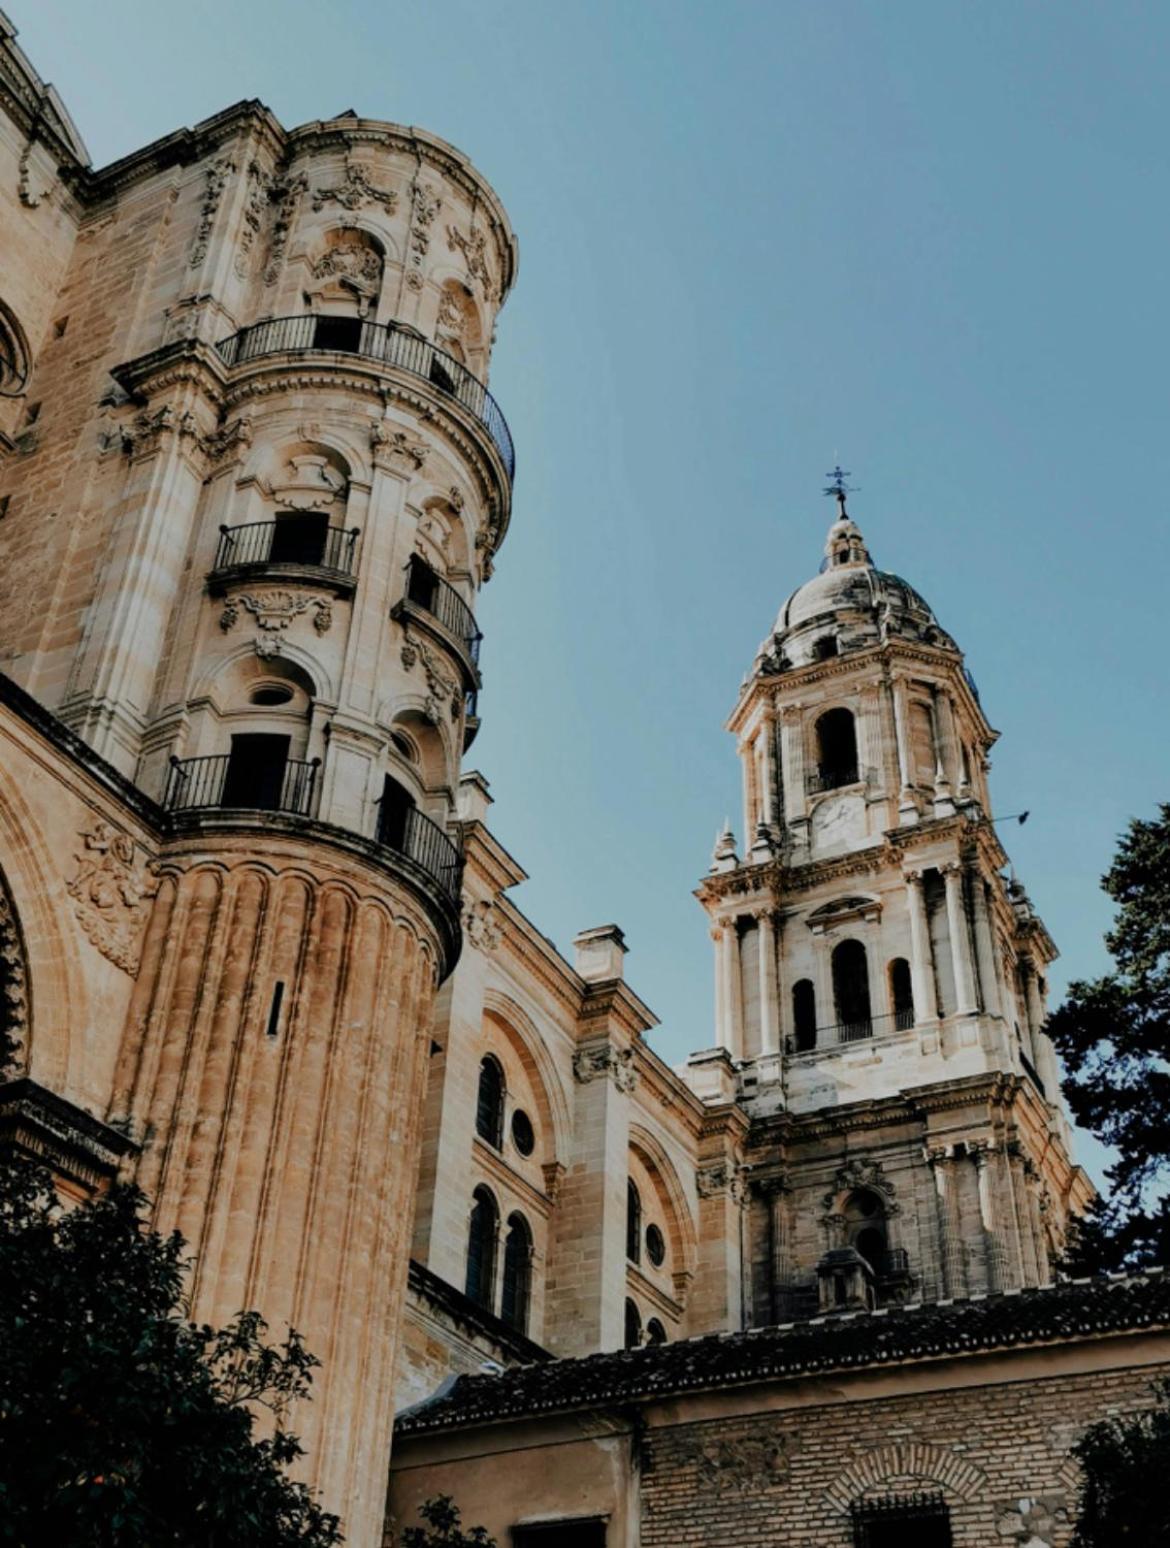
[(517, 1291), (901, 994), (489, 1106), (865, 1228), (804, 1015), (14, 361), (851, 991), (633, 1222), (633, 1326), (655, 1332), (481, 1248), (836, 749)]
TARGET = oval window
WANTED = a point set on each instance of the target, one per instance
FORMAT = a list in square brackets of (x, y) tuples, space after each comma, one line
[(655, 1246), (273, 695), (523, 1136)]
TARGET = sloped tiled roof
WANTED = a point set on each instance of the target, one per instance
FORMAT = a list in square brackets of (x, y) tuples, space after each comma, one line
[(1080, 1309)]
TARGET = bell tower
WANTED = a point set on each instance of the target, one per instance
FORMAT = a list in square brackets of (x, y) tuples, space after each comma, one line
[(880, 985)]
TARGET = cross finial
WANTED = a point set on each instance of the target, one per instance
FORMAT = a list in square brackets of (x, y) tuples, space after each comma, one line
[(838, 488)]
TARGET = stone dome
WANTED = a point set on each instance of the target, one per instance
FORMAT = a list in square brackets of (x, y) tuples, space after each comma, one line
[(848, 605)]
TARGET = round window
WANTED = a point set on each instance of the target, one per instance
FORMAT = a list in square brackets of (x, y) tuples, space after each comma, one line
[(272, 695), (523, 1136), (655, 1246)]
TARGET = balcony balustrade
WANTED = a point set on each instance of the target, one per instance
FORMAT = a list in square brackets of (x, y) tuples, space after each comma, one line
[(389, 344), (440, 601), (220, 782), (829, 777), (292, 540)]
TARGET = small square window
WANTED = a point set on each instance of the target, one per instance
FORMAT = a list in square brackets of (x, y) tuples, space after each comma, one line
[(902, 1521)]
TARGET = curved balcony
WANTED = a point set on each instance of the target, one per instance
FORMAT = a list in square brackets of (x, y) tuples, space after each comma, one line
[(434, 603), (389, 344), (297, 546), (227, 782)]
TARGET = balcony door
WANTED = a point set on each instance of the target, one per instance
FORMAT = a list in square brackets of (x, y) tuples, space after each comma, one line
[(394, 815), (343, 334), (255, 770), (299, 537)]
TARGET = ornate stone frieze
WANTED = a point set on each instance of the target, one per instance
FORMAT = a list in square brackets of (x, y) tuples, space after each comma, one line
[(259, 189), (309, 483), (355, 190), (217, 174), (111, 894), (425, 204), (232, 438), (442, 689), (285, 197), (275, 610), (605, 1060), (480, 925), (473, 245), (353, 261), (721, 1177)]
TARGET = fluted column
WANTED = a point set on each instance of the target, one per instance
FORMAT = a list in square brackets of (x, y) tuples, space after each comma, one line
[(982, 1157), (960, 940), (1026, 1241), (907, 810), (1046, 1061), (954, 1280), (769, 997), (728, 988), (775, 1192), (766, 756), (792, 757), (921, 963)]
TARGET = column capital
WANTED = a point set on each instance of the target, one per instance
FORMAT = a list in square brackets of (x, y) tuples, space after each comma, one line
[(791, 711), (913, 876)]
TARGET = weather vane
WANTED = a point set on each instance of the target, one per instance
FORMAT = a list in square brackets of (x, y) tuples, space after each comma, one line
[(838, 488)]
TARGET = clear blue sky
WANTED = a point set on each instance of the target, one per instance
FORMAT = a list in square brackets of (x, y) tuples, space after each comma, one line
[(929, 235)]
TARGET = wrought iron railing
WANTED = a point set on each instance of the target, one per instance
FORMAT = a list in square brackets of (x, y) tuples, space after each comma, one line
[(895, 1261), (835, 1033), (428, 590), (388, 343), (423, 841), (260, 542), (919, 1517), (203, 782), (826, 778)]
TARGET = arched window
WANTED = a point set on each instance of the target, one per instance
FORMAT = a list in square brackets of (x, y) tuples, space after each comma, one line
[(517, 1274), (633, 1222), (481, 1248), (901, 994), (655, 1332), (825, 648), (633, 1326), (865, 1228), (13, 985), (489, 1106), (804, 1015), (836, 749), (851, 991), (14, 362)]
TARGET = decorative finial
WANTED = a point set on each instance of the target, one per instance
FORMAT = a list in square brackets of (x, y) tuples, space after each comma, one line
[(838, 488)]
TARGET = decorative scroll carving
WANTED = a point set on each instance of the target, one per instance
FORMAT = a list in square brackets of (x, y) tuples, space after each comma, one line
[(259, 190), (110, 895), (738, 1464), (425, 204), (217, 173), (285, 197), (719, 1177), (354, 190), (360, 266), (473, 245), (310, 484), (275, 610), (481, 926), (13, 974), (231, 438), (598, 1062), (862, 1174), (441, 687), (388, 445)]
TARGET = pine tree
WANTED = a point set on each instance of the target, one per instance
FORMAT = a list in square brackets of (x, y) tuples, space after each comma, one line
[(1114, 1037)]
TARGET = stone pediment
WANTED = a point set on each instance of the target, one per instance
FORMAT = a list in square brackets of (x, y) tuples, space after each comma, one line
[(839, 910)]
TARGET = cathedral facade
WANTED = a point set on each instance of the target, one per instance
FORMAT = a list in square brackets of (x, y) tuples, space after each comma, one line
[(258, 944)]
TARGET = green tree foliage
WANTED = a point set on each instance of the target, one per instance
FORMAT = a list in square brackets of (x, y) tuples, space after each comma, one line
[(443, 1528), (1114, 1037), (1124, 1498), (123, 1425)]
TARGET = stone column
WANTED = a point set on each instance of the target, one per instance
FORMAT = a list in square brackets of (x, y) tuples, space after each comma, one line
[(983, 1156), (960, 940), (775, 1192), (948, 750), (1046, 1064), (766, 753), (792, 757), (735, 1022), (907, 810), (769, 994), (954, 1280), (747, 761), (921, 963), (717, 1297), (1025, 1240), (722, 1019), (985, 951), (869, 747)]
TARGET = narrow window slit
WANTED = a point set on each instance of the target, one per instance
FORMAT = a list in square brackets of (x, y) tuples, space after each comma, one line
[(274, 1011)]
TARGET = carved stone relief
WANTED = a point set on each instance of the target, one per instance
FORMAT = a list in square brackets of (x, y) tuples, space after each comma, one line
[(14, 1011), (274, 610), (110, 895), (392, 446), (441, 686), (259, 189), (481, 926), (285, 197), (355, 190), (737, 1464), (217, 175), (359, 266), (596, 1063)]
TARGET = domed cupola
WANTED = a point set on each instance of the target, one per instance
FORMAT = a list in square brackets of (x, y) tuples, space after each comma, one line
[(848, 605)]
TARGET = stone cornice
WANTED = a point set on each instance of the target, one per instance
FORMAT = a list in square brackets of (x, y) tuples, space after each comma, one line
[(487, 858), (996, 1089), (667, 1090), (613, 999)]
